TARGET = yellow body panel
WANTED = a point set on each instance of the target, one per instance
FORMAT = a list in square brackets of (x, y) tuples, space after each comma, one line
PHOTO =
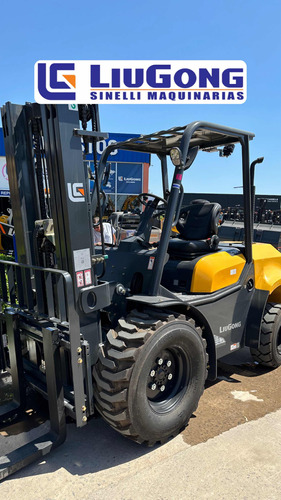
[(267, 260), (219, 270), (216, 271)]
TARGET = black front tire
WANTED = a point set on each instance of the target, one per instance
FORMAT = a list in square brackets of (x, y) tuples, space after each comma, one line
[(269, 351), (152, 375)]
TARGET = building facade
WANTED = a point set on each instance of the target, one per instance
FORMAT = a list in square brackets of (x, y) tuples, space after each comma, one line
[(129, 171)]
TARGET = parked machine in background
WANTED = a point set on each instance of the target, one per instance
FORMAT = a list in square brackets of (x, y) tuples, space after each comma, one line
[(130, 330)]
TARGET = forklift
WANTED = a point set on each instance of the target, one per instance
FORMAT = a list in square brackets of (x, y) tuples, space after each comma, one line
[(129, 331)]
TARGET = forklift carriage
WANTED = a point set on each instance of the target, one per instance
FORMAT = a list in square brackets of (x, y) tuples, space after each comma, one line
[(131, 330)]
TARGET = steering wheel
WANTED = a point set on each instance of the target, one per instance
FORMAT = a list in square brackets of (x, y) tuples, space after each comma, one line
[(157, 199)]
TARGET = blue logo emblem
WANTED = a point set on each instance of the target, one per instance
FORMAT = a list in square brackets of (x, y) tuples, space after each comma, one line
[(53, 85)]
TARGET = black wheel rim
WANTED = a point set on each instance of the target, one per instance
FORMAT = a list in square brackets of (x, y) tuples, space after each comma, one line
[(168, 379)]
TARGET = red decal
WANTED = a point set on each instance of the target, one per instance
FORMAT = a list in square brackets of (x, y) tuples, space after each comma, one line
[(88, 277), (80, 279)]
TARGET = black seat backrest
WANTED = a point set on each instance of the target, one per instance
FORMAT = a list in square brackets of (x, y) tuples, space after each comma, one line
[(199, 220)]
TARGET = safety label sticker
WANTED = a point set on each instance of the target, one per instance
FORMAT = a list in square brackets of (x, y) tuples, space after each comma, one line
[(88, 277), (82, 259), (151, 263), (80, 279), (235, 346)]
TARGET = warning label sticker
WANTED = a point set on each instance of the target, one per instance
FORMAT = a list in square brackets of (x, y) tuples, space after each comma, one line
[(151, 263), (88, 277), (235, 346), (82, 259), (80, 279)]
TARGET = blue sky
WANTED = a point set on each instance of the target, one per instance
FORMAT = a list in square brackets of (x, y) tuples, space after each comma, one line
[(247, 30)]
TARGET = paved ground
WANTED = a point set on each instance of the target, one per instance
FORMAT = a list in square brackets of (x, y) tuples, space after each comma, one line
[(222, 407), (243, 463)]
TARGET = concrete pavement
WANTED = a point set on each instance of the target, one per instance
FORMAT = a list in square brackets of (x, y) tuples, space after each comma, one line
[(242, 463)]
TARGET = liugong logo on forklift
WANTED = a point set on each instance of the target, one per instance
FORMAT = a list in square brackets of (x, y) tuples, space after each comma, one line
[(76, 192), (230, 326)]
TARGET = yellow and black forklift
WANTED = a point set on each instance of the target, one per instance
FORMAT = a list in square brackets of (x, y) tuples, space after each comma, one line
[(132, 330)]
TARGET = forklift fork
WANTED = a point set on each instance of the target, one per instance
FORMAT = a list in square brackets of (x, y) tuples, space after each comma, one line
[(39, 447), (31, 306)]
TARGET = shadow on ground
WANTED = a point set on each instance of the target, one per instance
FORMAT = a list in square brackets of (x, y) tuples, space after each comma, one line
[(97, 447), (93, 448)]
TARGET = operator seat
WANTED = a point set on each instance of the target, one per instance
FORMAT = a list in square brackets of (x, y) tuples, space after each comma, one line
[(198, 229)]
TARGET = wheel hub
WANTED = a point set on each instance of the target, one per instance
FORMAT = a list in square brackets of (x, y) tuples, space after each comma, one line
[(161, 375), (164, 377)]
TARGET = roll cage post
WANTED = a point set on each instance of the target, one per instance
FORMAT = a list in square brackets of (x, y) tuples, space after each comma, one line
[(164, 172), (225, 136), (243, 138)]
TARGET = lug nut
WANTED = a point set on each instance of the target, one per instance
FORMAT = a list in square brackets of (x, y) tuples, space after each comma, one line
[(169, 363), (162, 388), (170, 376), (153, 387), (160, 361), (152, 373)]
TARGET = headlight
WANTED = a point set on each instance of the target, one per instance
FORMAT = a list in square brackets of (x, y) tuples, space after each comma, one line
[(176, 156)]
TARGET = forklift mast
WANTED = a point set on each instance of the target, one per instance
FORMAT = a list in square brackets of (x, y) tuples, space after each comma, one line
[(52, 289), (50, 189), (47, 179)]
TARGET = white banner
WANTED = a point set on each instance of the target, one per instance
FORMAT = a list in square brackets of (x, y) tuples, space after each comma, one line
[(141, 82)]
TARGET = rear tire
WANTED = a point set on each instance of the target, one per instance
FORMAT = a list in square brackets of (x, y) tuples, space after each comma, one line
[(269, 351), (152, 376)]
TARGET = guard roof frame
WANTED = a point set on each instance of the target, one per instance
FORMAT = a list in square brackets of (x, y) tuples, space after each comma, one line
[(201, 134)]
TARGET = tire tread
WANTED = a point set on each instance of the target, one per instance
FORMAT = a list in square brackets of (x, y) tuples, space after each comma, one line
[(265, 353), (112, 373)]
